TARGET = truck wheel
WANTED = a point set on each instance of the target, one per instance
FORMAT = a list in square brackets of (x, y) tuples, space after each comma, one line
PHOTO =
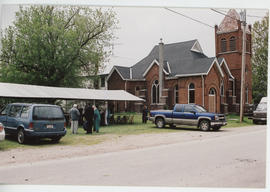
[(216, 128), (160, 122), (21, 137), (204, 125)]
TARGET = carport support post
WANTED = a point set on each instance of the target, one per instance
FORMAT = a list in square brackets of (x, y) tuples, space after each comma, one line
[(66, 106)]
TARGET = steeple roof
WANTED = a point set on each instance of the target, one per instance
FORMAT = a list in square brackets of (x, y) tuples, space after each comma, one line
[(229, 23)]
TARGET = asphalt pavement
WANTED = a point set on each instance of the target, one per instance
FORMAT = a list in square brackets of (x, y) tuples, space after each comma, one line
[(237, 160)]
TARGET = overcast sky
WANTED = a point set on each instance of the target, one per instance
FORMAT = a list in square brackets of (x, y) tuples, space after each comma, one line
[(140, 29)]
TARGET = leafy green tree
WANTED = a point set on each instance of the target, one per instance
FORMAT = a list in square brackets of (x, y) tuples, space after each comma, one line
[(56, 46), (260, 58)]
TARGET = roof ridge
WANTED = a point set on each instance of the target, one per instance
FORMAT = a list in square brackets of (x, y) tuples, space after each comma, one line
[(121, 66), (181, 42)]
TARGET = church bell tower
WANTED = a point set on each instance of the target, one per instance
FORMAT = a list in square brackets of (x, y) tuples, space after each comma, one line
[(228, 40)]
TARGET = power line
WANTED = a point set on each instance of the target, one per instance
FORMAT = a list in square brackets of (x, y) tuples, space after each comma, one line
[(247, 14), (223, 14), (255, 16), (188, 17)]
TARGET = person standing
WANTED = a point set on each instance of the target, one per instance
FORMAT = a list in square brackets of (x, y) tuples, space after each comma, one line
[(96, 118), (81, 115), (144, 114), (89, 115), (74, 117)]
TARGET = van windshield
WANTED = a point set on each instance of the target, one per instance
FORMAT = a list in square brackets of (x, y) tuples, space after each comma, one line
[(262, 107), (47, 113)]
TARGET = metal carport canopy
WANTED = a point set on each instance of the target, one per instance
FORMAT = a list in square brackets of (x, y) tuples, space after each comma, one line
[(35, 91)]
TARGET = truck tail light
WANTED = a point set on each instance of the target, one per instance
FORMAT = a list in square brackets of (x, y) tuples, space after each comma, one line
[(31, 126)]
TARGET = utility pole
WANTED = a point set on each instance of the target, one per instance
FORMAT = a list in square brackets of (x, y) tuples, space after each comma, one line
[(243, 71)]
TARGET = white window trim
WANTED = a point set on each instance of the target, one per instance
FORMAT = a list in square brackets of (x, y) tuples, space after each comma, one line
[(175, 94), (222, 88), (191, 90), (156, 85)]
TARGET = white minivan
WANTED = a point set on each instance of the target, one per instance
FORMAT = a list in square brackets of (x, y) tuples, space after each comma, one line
[(260, 114)]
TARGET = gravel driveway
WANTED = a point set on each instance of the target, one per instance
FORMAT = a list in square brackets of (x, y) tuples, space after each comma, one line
[(14, 157)]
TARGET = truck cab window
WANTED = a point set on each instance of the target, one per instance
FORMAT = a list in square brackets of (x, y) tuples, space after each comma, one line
[(188, 108)]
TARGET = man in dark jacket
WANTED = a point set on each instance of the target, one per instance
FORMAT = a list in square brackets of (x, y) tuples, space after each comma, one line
[(144, 114), (89, 116)]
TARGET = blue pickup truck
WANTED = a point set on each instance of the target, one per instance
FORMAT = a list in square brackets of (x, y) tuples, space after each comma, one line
[(188, 114)]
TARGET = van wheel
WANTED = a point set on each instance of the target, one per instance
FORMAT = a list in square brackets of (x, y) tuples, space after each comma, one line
[(160, 122), (21, 137), (56, 139), (204, 125)]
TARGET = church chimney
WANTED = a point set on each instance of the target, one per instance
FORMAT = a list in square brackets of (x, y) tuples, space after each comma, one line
[(161, 66)]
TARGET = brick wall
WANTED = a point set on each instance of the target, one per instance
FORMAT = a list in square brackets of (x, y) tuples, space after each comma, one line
[(212, 80), (234, 59)]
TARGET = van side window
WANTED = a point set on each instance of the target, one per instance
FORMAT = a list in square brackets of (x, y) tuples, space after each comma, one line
[(25, 112), (4, 110), (14, 111)]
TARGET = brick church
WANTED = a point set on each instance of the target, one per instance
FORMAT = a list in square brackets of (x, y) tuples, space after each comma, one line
[(181, 73)]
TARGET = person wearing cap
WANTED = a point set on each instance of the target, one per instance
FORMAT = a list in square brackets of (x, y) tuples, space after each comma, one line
[(74, 117)]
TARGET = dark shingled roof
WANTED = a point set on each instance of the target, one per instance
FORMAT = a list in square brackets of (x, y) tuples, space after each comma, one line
[(180, 58), (124, 71)]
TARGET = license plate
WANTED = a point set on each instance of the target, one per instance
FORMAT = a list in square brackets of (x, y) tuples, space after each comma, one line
[(49, 126)]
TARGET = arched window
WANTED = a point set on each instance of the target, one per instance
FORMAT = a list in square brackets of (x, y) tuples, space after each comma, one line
[(222, 88), (176, 94), (232, 44), (155, 92), (223, 45), (212, 91), (191, 93)]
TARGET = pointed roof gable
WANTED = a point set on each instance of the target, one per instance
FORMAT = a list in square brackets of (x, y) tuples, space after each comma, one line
[(124, 72), (221, 62), (197, 47), (176, 55), (229, 23)]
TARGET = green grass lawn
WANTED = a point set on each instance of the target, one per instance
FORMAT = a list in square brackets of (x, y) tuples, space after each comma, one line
[(111, 131), (234, 121)]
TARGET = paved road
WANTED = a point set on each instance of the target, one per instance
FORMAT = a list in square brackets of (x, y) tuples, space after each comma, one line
[(236, 160)]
